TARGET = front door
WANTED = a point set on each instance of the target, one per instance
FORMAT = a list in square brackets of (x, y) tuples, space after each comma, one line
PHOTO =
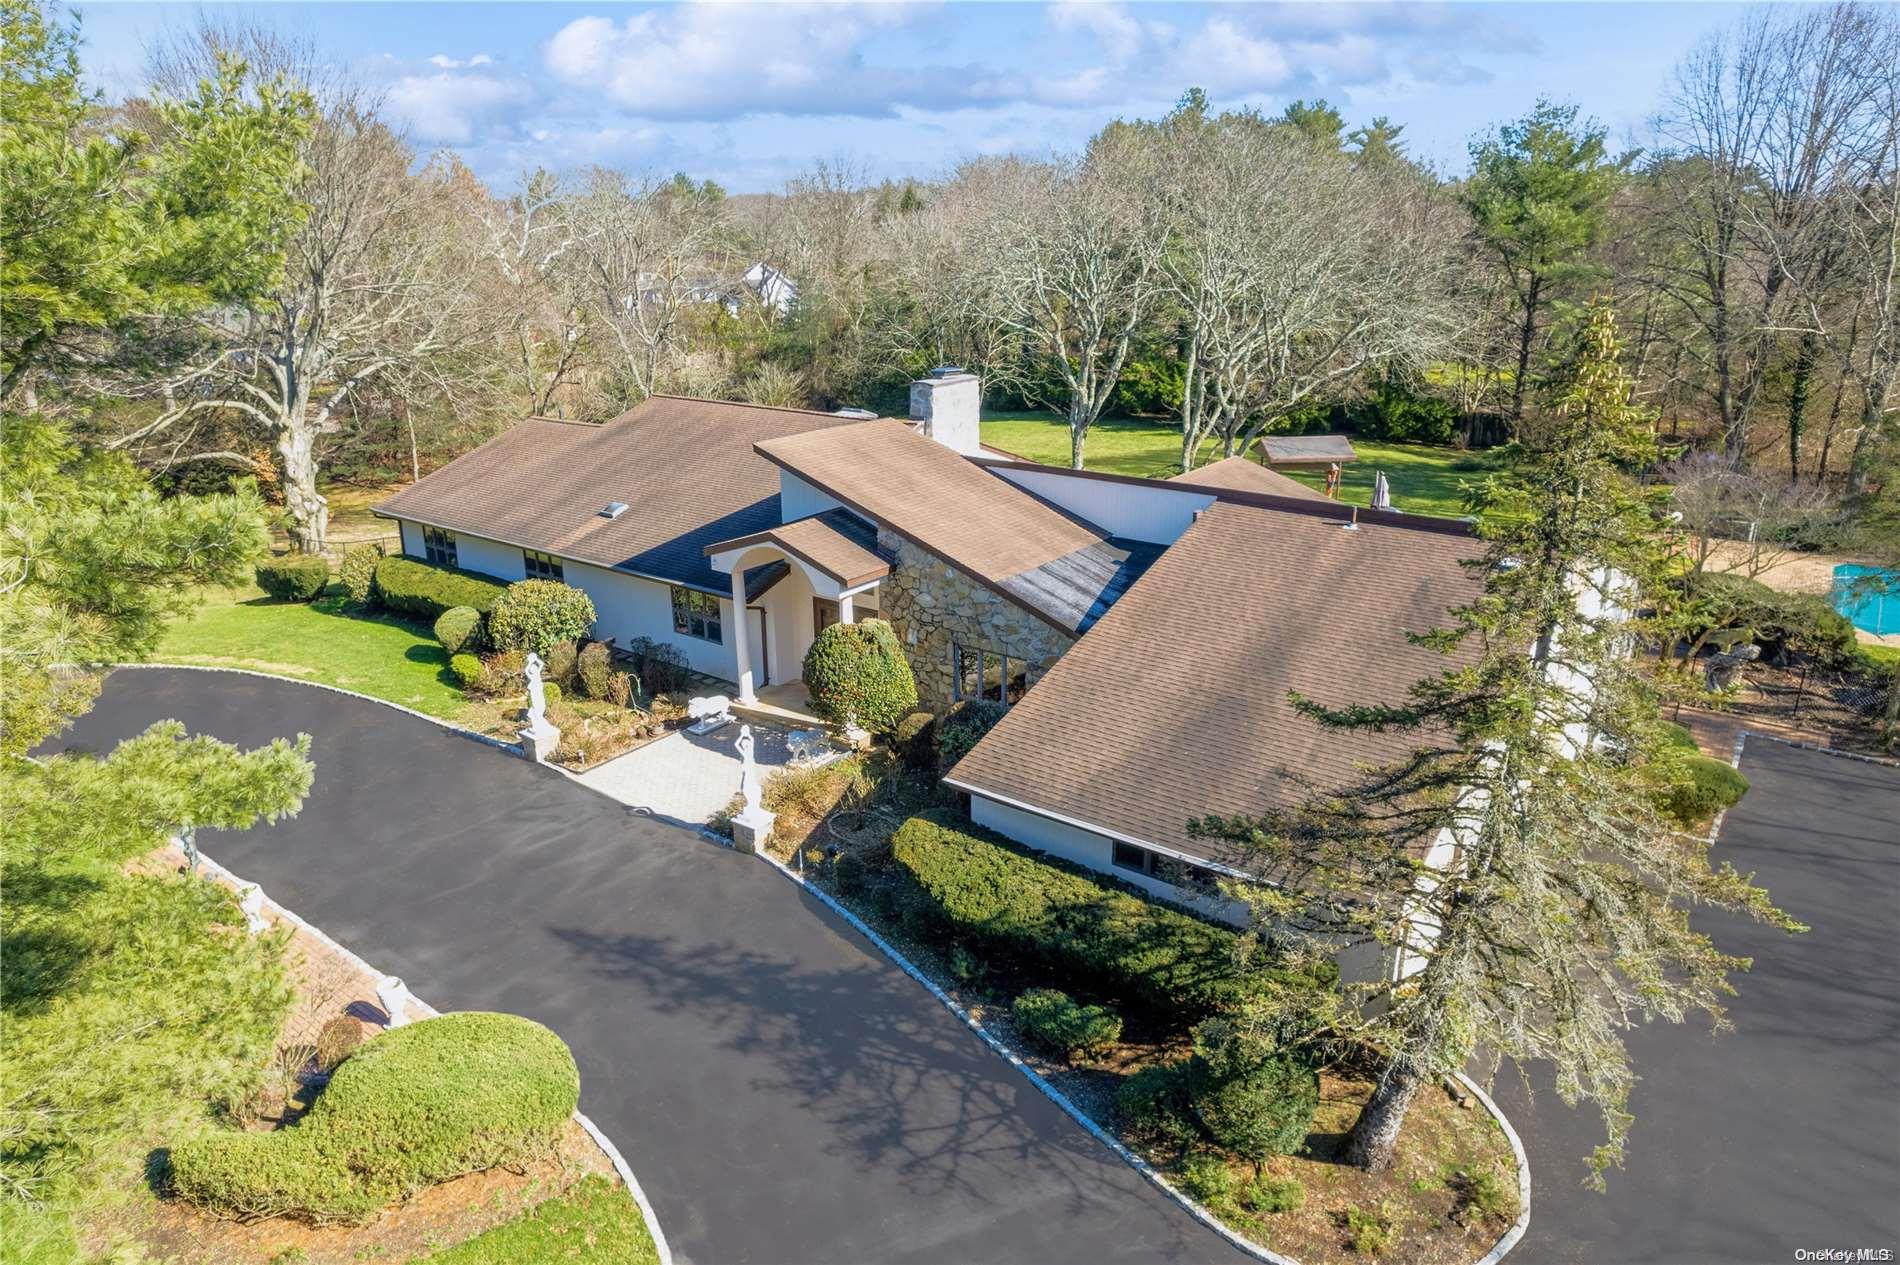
[(755, 630)]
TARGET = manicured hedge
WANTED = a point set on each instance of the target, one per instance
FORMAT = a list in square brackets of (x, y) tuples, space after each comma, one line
[(992, 896), (358, 573), (962, 727), (426, 591), (300, 577), (416, 1106), (1060, 1025)]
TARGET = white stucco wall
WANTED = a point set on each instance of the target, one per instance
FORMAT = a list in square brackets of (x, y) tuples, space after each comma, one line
[(1085, 847), (799, 499), (1157, 515), (625, 606)]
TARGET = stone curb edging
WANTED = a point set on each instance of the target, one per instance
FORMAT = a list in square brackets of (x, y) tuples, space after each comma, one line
[(1881, 761), (601, 1140), (1503, 1246), (1195, 1209)]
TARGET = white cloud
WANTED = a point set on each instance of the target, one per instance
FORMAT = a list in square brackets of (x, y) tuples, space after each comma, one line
[(446, 62), (447, 108), (716, 61)]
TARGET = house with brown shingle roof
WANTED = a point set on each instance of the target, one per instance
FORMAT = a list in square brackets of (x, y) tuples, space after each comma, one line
[(1143, 634)]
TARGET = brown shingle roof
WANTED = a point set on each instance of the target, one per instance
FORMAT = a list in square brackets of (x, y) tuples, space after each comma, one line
[(837, 542), (685, 468), (1238, 474), (1175, 706), (1045, 560)]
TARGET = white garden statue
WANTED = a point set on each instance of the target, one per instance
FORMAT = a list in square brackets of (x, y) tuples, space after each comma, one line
[(538, 738), (752, 825), (251, 903), (393, 996)]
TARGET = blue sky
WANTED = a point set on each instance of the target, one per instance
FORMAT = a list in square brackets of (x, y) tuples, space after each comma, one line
[(749, 94)]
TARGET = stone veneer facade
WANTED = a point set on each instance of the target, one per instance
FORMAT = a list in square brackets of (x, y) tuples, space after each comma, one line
[(933, 606)]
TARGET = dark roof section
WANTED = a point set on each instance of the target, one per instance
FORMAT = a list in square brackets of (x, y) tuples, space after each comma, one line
[(1049, 562), (1307, 450), (1078, 588), (686, 469), (1175, 704), (837, 542), (1237, 474)]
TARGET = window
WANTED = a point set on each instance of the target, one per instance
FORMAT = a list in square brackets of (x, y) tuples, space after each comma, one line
[(439, 545), (541, 566), (999, 677), (696, 614), (1167, 869)]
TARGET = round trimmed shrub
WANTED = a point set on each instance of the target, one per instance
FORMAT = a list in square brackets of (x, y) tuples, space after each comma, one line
[(551, 690), (962, 727), (662, 668), (459, 629), (1059, 1025), (1701, 787), (857, 673), (538, 615), (357, 572), (470, 672), (595, 668), (1154, 1105), (413, 1107), (300, 577), (1254, 1097)]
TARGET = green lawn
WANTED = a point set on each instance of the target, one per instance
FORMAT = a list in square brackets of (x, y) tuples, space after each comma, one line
[(1424, 479), (594, 1223), (319, 641)]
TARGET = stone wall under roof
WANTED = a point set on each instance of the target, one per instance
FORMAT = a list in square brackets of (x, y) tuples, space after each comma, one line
[(933, 606)]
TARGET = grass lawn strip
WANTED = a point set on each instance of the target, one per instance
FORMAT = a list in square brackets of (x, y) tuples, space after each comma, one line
[(1424, 479), (321, 641), (594, 1223)]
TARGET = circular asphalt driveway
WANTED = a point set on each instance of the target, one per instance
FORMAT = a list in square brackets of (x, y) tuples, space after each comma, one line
[(784, 1092), (1784, 1133)]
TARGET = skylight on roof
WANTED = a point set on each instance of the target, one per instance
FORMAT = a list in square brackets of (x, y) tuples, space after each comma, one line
[(613, 509)]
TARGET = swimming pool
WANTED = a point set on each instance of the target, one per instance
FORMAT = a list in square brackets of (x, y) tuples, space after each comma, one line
[(1866, 605)]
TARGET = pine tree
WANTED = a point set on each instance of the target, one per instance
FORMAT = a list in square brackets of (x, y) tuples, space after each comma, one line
[(1555, 910)]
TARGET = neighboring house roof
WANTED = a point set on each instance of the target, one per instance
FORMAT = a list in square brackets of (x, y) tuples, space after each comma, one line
[(836, 542), (1237, 474), (1309, 450), (1175, 705), (1049, 562), (685, 468)]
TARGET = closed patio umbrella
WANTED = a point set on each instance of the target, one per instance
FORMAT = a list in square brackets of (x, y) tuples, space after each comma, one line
[(1381, 493)]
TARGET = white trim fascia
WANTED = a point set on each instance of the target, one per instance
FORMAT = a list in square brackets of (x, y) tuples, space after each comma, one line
[(1133, 840), (584, 562)]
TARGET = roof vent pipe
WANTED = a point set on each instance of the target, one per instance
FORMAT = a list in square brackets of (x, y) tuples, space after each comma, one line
[(1354, 524)]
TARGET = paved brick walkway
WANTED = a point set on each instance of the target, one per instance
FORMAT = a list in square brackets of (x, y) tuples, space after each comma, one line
[(686, 778)]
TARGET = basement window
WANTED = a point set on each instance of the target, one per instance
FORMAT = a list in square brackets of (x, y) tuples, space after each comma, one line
[(439, 546), (541, 566)]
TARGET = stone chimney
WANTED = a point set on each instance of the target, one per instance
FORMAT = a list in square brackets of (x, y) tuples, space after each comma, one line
[(948, 403)]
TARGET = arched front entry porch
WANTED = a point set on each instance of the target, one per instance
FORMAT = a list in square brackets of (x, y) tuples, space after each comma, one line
[(832, 574)]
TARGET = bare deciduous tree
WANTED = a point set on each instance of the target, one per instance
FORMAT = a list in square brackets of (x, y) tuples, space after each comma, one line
[(1072, 264), (378, 280), (1296, 271), (644, 252)]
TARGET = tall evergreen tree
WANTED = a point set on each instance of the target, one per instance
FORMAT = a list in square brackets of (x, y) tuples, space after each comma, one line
[(1539, 195), (1552, 909)]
